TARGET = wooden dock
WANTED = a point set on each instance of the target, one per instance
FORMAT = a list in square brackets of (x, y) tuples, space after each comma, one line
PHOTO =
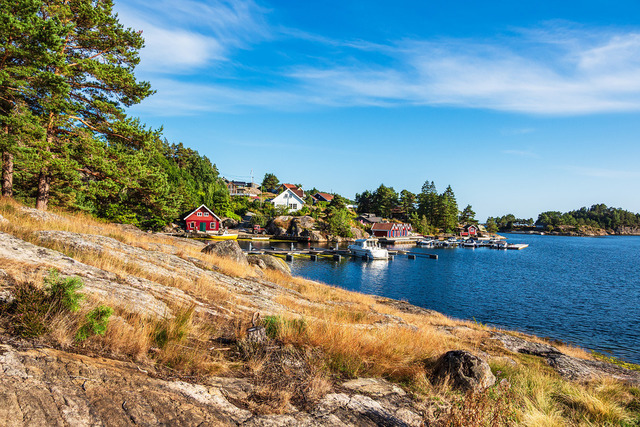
[(336, 254)]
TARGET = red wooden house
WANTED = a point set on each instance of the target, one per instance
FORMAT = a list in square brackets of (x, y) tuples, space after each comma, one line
[(469, 230), (203, 220), (390, 229)]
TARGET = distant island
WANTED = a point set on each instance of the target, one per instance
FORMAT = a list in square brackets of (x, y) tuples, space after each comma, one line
[(598, 220)]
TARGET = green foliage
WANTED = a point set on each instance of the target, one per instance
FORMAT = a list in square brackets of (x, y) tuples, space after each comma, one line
[(615, 361), (491, 225), (63, 292), (30, 311), (597, 216), (259, 219), (338, 221), (34, 307), (96, 322), (467, 216), (275, 324), (270, 182), (174, 330), (509, 222)]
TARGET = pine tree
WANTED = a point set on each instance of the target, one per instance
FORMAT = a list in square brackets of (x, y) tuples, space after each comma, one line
[(88, 81), (25, 39)]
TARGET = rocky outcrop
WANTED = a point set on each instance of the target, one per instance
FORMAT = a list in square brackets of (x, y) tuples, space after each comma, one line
[(226, 249), (39, 215), (279, 225), (134, 293), (229, 223), (358, 233), (51, 387), (464, 371), (569, 367), (628, 231), (271, 262)]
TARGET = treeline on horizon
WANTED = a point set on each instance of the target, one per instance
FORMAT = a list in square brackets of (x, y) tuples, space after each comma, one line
[(596, 216), (66, 77), (429, 212)]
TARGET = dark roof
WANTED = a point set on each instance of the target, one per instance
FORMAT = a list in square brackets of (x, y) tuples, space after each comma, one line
[(298, 192), (326, 196), (371, 218)]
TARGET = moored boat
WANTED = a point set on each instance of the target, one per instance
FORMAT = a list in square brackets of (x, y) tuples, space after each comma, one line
[(223, 236), (368, 248)]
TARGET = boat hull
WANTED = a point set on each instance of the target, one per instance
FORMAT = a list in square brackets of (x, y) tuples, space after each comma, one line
[(370, 253), (224, 237)]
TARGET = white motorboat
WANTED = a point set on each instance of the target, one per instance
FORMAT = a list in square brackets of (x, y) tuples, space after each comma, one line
[(426, 242), (368, 248)]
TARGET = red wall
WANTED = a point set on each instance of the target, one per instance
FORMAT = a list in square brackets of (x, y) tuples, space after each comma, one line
[(211, 222)]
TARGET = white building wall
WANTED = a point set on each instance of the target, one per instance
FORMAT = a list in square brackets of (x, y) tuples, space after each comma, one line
[(289, 200)]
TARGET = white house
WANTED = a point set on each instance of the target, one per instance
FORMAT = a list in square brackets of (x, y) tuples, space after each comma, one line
[(291, 198)]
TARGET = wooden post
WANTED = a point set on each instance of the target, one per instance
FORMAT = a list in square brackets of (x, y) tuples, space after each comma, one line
[(411, 256), (337, 257), (289, 257), (314, 257)]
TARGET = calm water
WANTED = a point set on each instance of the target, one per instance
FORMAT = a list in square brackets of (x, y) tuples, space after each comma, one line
[(585, 291)]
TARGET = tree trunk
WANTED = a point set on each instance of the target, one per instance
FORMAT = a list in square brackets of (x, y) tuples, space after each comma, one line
[(44, 182), (44, 179), (7, 174)]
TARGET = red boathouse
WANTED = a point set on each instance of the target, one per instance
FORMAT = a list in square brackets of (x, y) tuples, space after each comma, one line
[(203, 220), (390, 229)]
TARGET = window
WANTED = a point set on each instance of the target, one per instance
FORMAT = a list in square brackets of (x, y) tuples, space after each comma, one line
[(206, 214), (199, 213), (192, 224), (294, 206), (212, 225)]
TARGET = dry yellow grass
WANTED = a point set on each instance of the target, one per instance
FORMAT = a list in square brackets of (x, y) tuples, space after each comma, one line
[(356, 334)]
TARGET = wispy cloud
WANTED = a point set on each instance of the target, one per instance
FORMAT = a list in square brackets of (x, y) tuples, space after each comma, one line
[(556, 69), (580, 78), (181, 36)]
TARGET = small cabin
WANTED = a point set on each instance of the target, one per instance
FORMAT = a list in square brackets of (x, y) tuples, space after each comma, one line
[(202, 220), (469, 230)]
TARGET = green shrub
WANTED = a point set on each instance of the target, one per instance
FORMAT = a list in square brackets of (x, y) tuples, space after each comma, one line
[(63, 292), (30, 310), (34, 307), (273, 325), (95, 323), (175, 329)]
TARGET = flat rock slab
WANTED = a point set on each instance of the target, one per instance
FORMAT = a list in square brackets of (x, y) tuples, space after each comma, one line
[(569, 367), (51, 387)]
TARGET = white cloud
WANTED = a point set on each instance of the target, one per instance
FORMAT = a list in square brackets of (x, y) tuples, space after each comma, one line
[(552, 70), (582, 80), (182, 36)]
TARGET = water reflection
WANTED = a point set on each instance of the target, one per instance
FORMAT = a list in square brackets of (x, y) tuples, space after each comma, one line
[(581, 290)]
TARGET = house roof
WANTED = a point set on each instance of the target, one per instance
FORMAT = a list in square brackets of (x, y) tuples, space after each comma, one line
[(198, 208), (326, 196), (289, 186), (384, 226), (371, 218), (298, 192)]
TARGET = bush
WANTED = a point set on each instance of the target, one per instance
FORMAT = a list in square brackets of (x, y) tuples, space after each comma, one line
[(63, 292), (96, 322), (275, 325), (33, 308)]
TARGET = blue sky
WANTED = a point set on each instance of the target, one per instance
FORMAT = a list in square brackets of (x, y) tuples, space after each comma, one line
[(520, 106)]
